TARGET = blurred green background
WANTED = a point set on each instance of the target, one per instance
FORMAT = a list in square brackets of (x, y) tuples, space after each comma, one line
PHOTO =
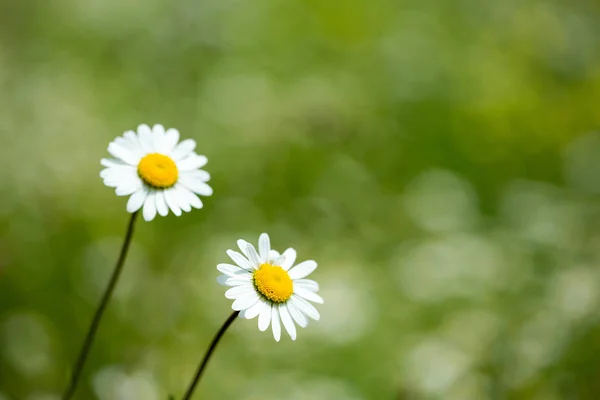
[(439, 159)]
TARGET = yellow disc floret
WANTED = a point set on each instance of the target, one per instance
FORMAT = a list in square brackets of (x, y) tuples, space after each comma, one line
[(274, 283), (158, 170)]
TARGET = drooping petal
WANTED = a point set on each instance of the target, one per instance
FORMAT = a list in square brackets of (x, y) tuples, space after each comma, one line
[(161, 203), (264, 318), (245, 301), (286, 320), (182, 196), (275, 323), (296, 314), (305, 307), (171, 199), (256, 309), (187, 197), (149, 210), (136, 201), (129, 186)]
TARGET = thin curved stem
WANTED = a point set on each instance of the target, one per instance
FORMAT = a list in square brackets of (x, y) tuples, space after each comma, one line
[(91, 334), (211, 349)]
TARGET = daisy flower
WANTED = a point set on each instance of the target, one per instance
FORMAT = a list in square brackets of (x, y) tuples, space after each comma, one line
[(268, 285), (157, 171)]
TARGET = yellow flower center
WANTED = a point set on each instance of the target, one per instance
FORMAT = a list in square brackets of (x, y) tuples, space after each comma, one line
[(158, 170), (273, 282)]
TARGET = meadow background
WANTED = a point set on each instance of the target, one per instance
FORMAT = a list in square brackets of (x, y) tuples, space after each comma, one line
[(439, 159)]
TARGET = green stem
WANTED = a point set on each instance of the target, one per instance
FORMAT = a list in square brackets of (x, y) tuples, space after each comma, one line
[(91, 334), (211, 349)]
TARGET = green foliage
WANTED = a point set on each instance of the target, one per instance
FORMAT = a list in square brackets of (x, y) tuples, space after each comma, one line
[(436, 159)]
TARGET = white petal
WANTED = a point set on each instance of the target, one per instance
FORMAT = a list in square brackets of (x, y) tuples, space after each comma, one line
[(278, 261), (129, 186), (245, 301), (112, 162), (256, 309), (134, 143), (307, 284), (308, 295), (264, 246), (290, 258), (158, 138), (145, 138), (239, 260), (161, 203), (264, 318), (276, 325), (305, 307), (150, 206), (183, 149), (231, 270), (171, 139), (158, 130), (171, 199), (296, 314), (303, 269), (187, 197), (123, 153), (221, 279), (181, 195), (273, 256), (198, 174), (108, 173), (253, 256), (242, 244), (192, 162), (111, 182), (115, 176), (196, 185), (286, 319), (240, 280), (136, 201), (121, 141), (236, 291)]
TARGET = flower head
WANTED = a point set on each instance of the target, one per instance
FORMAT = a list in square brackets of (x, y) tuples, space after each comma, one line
[(268, 285), (157, 171)]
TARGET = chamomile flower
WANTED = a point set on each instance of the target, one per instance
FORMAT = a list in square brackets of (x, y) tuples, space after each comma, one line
[(268, 285), (157, 171)]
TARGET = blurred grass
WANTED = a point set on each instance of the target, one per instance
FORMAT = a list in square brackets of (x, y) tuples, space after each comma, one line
[(437, 159)]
